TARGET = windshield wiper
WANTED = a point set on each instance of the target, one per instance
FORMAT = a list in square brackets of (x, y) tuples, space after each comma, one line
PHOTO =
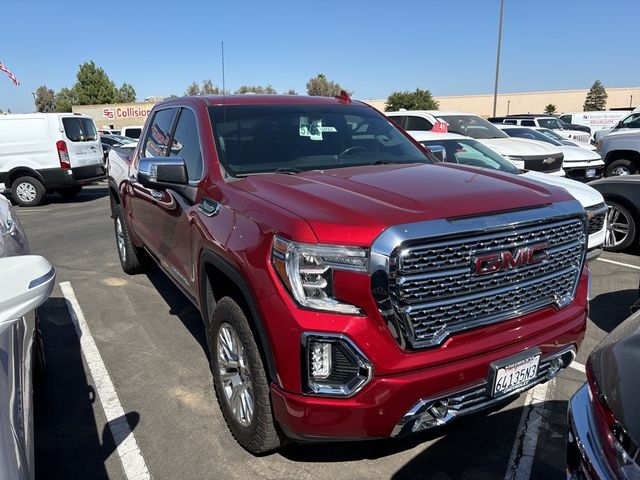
[(287, 170)]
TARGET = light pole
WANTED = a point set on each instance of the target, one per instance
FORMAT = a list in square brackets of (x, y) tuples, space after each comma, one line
[(495, 90), (508, 105), (34, 101)]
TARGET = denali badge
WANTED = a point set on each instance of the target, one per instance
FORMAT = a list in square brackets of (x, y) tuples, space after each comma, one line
[(507, 260)]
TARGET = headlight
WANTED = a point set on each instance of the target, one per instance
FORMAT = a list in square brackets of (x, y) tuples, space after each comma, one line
[(307, 271), (514, 159)]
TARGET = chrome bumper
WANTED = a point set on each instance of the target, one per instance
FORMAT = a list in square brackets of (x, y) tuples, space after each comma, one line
[(435, 412), (593, 253)]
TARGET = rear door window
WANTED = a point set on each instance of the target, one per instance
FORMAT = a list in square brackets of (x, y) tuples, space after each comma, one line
[(528, 123), (156, 141), (418, 124), (400, 120), (78, 129), (186, 144)]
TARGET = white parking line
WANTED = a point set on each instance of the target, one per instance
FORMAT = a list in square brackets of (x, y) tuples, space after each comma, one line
[(578, 366), (524, 448), (130, 455), (635, 267)]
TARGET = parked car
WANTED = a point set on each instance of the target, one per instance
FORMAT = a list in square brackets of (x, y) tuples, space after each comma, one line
[(26, 283), (595, 120), (455, 148), (622, 195), (131, 132), (46, 152), (604, 419), (110, 141), (524, 154), (573, 126), (559, 138), (349, 287), (546, 121), (621, 154), (109, 132), (630, 123), (579, 163)]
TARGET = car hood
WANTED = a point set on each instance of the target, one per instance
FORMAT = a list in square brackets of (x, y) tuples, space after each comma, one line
[(520, 147), (618, 179), (578, 154), (353, 205), (615, 364), (586, 195)]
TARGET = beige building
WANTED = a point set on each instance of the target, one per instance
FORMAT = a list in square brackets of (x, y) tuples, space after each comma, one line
[(116, 115), (529, 102)]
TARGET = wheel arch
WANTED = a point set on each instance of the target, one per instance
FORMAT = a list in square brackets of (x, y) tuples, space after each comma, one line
[(17, 172), (230, 282), (630, 155)]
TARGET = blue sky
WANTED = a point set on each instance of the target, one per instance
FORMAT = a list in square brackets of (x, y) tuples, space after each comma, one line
[(370, 47)]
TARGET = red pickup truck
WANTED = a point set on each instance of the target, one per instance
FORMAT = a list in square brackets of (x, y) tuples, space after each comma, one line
[(350, 285)]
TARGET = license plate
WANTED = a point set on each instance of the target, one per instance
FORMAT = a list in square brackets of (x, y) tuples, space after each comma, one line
[(514, 373), (591, 172)]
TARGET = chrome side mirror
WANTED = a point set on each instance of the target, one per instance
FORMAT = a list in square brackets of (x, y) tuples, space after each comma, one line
[(162, 172)]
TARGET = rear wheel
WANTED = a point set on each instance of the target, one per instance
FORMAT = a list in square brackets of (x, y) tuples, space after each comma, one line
[(27, 191), (240, 379), (621, 228), (132, 258), (69, 192), (622, 166)]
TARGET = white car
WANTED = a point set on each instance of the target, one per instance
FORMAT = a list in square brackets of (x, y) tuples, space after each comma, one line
[(572, 143), (25, 283), (580, 164), (547, 121), (468, 151), (44, 152), (524, 154), (133, 131)]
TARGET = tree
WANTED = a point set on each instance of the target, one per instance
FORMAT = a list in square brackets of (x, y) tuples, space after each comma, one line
[(291, 91), (322, 87), (418, 100), (65, 99), (94, 86), (550, 109), (193, 89), (208, 88), (596, 98), (126, 94), (45, 100), (268, 90)]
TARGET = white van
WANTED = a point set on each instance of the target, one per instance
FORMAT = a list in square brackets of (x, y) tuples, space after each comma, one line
[(46, 152), (595, 120), (133, 131)]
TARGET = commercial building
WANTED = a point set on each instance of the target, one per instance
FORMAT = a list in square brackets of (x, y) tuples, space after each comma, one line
[(530, 102)]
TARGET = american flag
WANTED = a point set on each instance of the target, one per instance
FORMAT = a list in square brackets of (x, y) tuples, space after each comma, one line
[(11, 76)]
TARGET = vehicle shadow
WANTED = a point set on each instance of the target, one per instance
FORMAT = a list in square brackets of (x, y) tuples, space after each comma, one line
[(609, 309), (67, 441), (477, 446), (88, 194), (179, 305)]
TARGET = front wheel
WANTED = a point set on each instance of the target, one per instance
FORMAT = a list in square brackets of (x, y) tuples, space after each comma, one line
[(621, 166), (621, 228), (240, 379)]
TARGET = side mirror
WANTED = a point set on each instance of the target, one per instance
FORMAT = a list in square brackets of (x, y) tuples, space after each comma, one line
[(27, 281), (438, 151), (162, 172)]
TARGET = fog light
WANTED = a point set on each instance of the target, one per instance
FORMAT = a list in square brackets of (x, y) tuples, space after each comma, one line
[(439, 409), (320, 359)]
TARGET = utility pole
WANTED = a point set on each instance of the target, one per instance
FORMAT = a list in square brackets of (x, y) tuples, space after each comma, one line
[(35, 105), (495, 90)]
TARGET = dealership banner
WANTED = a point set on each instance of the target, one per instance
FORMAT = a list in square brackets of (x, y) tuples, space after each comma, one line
[(114, 113)]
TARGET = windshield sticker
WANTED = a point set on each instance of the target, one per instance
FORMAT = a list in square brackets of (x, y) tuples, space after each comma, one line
[(313, 128)]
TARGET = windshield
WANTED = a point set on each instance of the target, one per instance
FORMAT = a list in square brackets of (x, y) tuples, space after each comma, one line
[(551, 123), (530, 134), (551, 134), (79, 129), (472, 126), (253, 139), (469, 152)]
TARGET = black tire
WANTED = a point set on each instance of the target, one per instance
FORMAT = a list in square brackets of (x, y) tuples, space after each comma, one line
[(27, 191), (69, 192), (132, 259), (260, 434), (622, 166), (617, 217)]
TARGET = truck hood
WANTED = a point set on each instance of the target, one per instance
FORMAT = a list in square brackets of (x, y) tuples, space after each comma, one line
[(578, 154), (519, 147), (586, 195), (353, 205)]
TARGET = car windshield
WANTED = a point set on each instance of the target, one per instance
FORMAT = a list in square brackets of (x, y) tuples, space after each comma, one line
[(551, 134), (469, 152), (551, 123), (530, 134), (472, 126), (253, 139)]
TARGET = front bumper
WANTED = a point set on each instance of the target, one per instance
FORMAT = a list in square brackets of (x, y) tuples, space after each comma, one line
[(585, 457), (578, 170)]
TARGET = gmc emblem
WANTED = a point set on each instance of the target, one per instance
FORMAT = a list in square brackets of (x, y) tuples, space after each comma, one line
[(507, 260)]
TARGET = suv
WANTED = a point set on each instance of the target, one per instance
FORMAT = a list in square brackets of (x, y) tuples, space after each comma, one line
[(547, 121), (621, 154), (350, 285)]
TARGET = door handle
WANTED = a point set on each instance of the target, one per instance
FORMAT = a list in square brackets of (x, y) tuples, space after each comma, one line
[(210, 208)]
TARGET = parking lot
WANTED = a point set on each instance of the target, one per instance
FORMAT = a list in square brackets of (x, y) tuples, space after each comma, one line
[(151, 342)]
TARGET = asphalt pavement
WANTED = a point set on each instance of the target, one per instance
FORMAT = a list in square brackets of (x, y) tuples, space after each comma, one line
[(151, 341)]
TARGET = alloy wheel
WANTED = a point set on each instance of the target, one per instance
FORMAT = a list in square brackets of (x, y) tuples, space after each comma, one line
[(618, 225), (235, 375), (621, 171), (122, 247)]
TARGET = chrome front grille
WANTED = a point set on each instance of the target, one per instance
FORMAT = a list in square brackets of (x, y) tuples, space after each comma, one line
[(434, 290)]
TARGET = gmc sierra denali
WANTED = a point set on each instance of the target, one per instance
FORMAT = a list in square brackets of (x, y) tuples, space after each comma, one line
[(350, 285)]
